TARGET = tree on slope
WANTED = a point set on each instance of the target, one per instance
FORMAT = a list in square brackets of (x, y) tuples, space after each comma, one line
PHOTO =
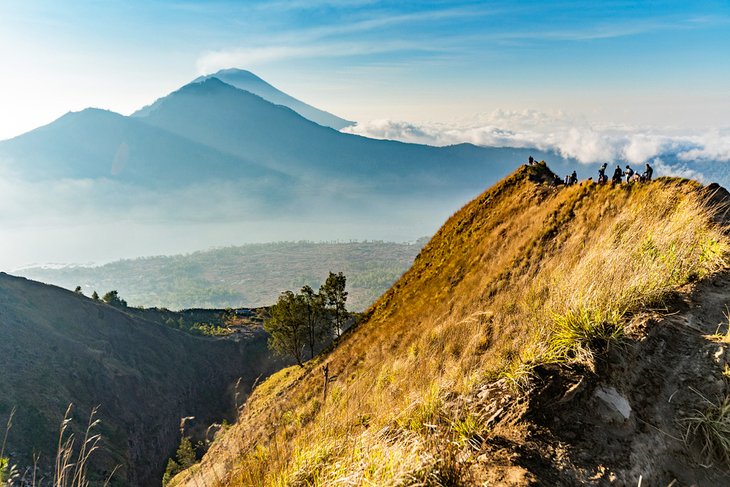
[(112, 298), (314, 317), (335, 296), (186, 458), (286, 326)]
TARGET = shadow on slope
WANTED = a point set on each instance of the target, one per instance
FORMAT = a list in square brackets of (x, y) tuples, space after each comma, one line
[(58, 347)]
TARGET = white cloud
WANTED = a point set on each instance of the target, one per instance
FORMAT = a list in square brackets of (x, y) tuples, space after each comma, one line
[(713, 146), (569, 136), (331, 40), (213, 61), (679, 170)]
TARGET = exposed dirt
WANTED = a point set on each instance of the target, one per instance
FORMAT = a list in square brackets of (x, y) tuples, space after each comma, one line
[(620, 423)]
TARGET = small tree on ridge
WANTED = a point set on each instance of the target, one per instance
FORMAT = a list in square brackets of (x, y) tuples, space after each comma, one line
[(335, 296), (286, 326)]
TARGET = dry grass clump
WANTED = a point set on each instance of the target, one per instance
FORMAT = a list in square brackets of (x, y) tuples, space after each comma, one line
[(524, 274), (708, 431), (718, 336), (71, 462)]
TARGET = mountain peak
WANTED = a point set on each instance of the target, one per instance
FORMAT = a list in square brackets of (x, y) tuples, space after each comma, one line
[(233, 72), (248, 81), (206, 84)]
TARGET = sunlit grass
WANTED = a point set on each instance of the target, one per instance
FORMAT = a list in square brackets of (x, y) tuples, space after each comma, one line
[(524, 275)]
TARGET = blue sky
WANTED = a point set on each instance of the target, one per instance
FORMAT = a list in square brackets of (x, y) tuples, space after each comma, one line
[(649, 63)]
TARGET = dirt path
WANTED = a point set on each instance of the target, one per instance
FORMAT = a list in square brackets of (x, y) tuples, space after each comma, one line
[(621, 425)]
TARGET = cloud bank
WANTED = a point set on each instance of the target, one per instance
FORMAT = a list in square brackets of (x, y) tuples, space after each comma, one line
[(570, 137)]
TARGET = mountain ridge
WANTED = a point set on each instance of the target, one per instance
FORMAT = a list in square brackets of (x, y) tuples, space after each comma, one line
[(532, 303), (108, 144)]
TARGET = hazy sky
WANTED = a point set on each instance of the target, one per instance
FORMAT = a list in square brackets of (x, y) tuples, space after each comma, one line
[(644, 63)]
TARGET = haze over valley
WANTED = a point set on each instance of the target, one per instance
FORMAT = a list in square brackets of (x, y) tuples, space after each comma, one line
[(359, 242), (213, 164)]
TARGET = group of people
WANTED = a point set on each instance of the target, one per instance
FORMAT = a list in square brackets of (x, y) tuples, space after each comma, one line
[(631, 175), (618, 174)]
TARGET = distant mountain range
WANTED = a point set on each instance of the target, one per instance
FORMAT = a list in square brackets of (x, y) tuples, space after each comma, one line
[(226, 159), (211, 130)]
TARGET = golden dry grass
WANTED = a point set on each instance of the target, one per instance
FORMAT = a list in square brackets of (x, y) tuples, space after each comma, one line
[(524, 274)]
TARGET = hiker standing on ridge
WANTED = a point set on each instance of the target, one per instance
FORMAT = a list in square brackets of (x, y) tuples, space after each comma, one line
[(617, 173), (531, 161), (628, 173), (602, 173), (573, 178), (648, 173)]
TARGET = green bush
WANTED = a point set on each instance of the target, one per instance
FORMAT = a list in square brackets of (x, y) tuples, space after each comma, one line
[(185, 457)]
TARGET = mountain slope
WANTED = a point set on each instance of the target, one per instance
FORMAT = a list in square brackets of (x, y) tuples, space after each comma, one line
[(531, 304), (236, 122), (98, 143), (57, 348), (246, 80)]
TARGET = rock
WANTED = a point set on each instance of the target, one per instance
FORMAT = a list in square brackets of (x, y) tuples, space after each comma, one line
[(617, 407), (719, 356)]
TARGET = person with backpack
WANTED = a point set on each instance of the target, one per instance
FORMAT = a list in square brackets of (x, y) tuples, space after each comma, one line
[(617, 174), (602, 173), (628, 173)]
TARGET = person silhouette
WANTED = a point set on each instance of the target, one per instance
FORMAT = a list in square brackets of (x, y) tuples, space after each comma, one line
[(617, 173), (648, 172), (628, 173), (602, 173)]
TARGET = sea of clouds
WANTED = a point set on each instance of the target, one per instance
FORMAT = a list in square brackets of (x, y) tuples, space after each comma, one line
[(566, 135)]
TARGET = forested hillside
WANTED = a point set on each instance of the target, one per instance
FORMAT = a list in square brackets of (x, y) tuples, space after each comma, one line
[(249, 275)]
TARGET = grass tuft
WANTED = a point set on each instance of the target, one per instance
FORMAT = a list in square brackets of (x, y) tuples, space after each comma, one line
[(580, 331), (470, 431), (71, 462), (708, 430)]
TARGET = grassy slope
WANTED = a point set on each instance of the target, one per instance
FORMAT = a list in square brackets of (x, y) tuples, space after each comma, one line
[(524, 274), (248, 275)]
